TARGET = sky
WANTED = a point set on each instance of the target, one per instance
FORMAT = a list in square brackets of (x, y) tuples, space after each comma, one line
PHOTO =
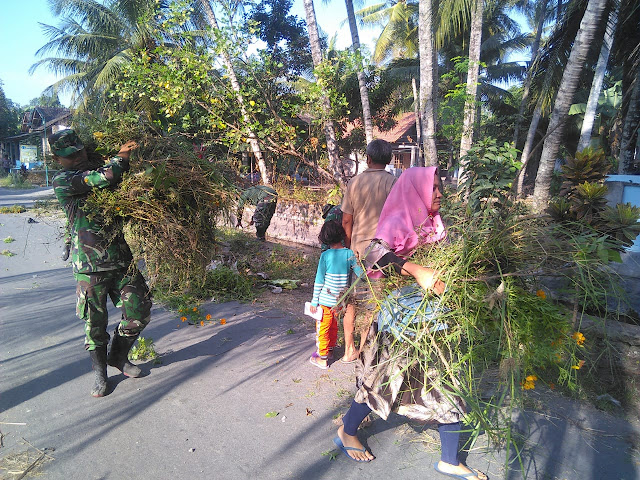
[(21, 36)]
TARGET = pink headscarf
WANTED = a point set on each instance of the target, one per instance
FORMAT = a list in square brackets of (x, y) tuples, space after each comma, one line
[(405, 221)]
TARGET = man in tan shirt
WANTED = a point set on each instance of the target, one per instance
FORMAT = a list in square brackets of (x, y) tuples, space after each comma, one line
[(365, 197), (361, 207)]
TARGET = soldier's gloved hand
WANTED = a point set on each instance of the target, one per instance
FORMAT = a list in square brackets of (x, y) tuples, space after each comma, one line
[(65, 252)]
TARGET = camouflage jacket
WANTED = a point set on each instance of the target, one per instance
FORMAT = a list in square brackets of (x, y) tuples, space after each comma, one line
[(255, 195), (95, 247)]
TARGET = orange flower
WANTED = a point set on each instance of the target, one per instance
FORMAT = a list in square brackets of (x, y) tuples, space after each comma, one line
[(202, 323), (541, 294), (529, 382), (195, 309), (208, 317), (552, 386), (223, 321), (184, 319), (579, 338)]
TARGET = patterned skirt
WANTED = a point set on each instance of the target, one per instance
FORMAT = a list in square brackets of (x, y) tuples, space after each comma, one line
[(387, 378)]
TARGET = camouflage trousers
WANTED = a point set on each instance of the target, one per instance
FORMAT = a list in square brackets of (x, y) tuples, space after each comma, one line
[(262, 217), (127, 290)]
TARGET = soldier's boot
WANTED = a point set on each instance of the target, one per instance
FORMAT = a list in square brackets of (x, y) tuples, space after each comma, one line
[(119, 355), (99, 365)]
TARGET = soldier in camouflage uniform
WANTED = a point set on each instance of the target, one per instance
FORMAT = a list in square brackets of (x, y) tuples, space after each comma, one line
[(265, 199), (102, 261)]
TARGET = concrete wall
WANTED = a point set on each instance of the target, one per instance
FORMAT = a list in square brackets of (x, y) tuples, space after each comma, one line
[(293, 222)]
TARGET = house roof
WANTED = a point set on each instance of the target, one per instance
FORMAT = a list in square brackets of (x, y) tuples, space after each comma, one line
[(404, 131), (32, 119)]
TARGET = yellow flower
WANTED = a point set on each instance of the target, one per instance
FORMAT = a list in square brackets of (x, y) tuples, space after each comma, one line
[(528, 385), (208, 317), (184, 319), (531, 378), (223, 321), (578, 366), (579, 338), (541, 294)]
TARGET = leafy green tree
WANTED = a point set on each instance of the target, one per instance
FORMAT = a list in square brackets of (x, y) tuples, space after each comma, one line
[(46, 100), (9, 115)]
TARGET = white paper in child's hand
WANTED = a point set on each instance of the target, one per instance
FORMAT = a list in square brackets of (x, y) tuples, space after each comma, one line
[(307, 311)]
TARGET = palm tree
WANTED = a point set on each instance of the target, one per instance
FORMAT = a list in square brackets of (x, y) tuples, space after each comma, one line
[(475, 41), (226, 60), (630, 128), (94, 43), (362, 82), (586, 35), (598, 78), (399, 35), (428, 61), (316, 54), (541, 17)]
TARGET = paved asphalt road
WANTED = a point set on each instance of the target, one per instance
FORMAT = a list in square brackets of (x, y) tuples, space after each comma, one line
[(201, 413)]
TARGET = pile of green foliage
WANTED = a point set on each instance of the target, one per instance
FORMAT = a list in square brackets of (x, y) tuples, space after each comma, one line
[(170, 202), (506, 333)]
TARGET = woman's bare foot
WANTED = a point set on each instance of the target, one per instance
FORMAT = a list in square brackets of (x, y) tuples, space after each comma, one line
[(352, 441), (460, 469)]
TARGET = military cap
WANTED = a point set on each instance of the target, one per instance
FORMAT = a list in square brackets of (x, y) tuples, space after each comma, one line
[(65, 143)]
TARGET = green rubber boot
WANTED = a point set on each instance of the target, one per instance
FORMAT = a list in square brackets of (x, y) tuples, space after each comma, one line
[(119, 355), (99, 365)]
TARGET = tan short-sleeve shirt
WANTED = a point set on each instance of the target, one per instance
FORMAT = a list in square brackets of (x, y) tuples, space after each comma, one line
[(364, 199)]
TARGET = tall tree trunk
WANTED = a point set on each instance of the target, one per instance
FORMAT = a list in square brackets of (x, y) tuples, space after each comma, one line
[(475, 41), (362, 81), (416, 112), (596, 84), (226, 60), (630, 129), (564, 98), (337, 168), (535, 46), (427, 49)]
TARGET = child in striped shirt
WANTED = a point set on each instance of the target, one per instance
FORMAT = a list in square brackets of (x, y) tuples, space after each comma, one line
[(332, 280)]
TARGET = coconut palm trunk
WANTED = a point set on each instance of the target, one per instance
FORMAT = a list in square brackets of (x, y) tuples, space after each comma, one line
[(251, 136), (564, 98), (362, 81), (416, 113), (427, 49), (475, 40), (329, 131), (535, 46), (630, 129), (596, 84), (531, 133)]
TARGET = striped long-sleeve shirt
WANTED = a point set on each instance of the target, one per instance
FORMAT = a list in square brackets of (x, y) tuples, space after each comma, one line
[(332, 277)]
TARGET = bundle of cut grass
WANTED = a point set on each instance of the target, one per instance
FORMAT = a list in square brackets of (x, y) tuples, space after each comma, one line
[(170, 202), (497, 331)]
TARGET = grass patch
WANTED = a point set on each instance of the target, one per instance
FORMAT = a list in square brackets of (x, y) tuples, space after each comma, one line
[(9, 239), (7, 253), (13, 209), (42, 207), (15, 180)]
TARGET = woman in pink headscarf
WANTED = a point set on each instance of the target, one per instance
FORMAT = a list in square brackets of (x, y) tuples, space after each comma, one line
[(408, 219)]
